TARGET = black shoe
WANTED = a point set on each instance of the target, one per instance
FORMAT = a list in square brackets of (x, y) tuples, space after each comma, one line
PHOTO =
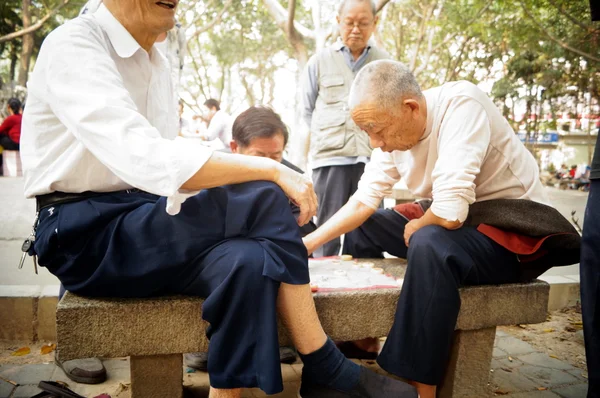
[(86, 371), (196, 360), (370, 385), (287, 355)]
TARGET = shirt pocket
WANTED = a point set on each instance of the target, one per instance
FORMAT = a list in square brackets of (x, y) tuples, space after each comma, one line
[(332, 89), (331, 132)]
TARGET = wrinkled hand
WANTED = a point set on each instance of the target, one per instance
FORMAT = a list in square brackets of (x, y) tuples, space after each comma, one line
[(410, 228), (299, 189)]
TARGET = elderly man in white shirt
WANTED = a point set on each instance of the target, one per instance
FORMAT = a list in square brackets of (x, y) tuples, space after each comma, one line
[(102, 158), (452, 145)]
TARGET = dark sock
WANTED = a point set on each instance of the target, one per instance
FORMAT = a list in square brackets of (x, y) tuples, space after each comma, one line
[(329, 367)]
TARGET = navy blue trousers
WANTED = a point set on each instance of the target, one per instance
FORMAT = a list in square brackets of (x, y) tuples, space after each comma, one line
[(232, 245), (439, 262), (590, 288), (334, 185)]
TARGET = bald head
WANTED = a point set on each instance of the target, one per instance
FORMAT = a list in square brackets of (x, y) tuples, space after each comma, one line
[(384, 84)]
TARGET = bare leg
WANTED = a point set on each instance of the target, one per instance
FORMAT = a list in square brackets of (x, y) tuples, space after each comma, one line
[(425, 390), (214, 393), (297, 309)]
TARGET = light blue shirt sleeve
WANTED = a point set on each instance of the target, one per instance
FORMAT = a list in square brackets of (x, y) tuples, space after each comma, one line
[(310, 90)]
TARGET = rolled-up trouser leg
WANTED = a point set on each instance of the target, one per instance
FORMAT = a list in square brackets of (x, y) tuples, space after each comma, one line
[(241, 310), (439, 262)]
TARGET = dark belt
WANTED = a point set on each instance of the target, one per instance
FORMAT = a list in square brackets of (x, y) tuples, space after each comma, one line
[(56, 198)]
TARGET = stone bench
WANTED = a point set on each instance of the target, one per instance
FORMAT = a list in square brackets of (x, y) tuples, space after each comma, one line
[(155, 332)]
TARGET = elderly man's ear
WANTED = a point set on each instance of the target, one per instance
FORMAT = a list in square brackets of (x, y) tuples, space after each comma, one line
[(412, 104), (233, 146)]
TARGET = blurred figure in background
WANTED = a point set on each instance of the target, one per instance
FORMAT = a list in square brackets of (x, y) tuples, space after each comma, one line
[(10, 129)]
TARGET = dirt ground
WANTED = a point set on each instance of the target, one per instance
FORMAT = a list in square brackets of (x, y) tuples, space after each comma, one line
[(561, 336)]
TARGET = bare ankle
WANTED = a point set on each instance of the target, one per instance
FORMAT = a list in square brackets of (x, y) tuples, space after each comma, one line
[(216, 393), (424, 390)]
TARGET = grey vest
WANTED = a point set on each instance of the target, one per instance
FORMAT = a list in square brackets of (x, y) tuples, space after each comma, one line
[(333, 132)]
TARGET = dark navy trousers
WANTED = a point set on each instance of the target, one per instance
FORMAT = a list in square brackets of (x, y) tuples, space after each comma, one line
[(334, 185), (590, 288), (439, 262), (232, 245)]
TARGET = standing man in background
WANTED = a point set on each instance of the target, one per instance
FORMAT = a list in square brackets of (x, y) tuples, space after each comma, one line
[(338, 149)]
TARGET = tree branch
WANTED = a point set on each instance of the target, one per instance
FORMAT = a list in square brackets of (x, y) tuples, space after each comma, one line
[(554, 39), (35, 26), (215, 20), (570, 17), (381, 4), (281, 18), (291, 16)]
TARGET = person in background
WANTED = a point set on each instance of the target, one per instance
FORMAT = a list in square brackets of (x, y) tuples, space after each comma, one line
[(10, 129), (219, 123)]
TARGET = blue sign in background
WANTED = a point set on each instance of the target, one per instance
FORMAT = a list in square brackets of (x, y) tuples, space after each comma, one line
[(550, 137)]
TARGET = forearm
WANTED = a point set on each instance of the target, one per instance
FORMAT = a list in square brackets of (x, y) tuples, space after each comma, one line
[(348, 218), (224, 169), (431, 219)]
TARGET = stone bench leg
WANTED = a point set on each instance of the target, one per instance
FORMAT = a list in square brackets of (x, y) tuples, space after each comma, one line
[(468, 372), (157, 376)]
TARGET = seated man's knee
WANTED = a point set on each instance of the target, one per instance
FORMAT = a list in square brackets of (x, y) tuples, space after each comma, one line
[(427, 239), (247, 259)]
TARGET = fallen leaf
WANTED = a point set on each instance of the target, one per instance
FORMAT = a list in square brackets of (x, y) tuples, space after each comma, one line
[(501, 392), (21, 351), (548, 330), (553, 356), (570, 329), (47, 349), (507, 370), (14, 383), (577, 323), (522, 326), (510, 359), (542, 388)]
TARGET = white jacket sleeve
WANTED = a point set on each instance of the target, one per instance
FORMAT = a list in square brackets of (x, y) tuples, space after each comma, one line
[(463, 142)]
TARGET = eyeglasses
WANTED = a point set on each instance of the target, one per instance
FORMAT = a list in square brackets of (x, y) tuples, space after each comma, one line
[(361, 25)]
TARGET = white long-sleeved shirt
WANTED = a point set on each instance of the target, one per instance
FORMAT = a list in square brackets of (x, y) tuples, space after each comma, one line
[(468, 153), (100, 115), (220, 127)]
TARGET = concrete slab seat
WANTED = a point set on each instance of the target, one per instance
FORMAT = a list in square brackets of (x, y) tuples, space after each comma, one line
[(155, 332)]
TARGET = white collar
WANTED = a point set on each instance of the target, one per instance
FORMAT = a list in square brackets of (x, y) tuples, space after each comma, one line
[(122, 41)]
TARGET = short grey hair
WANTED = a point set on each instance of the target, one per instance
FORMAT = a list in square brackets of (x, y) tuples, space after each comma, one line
[(384, 83), (345, 2)]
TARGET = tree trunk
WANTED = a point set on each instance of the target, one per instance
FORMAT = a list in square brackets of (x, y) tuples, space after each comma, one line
[(28, 42), (14, 59)]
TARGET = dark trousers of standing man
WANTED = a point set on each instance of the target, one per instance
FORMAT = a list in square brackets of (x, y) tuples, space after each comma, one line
[(439, 262), (233, 245), (334, 185), (590, 288)]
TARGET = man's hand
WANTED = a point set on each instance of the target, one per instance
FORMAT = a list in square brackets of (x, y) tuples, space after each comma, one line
[(299, 189), (410, 228)]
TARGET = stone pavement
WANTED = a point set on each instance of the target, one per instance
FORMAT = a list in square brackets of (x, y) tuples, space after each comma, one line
[(517, 371)]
